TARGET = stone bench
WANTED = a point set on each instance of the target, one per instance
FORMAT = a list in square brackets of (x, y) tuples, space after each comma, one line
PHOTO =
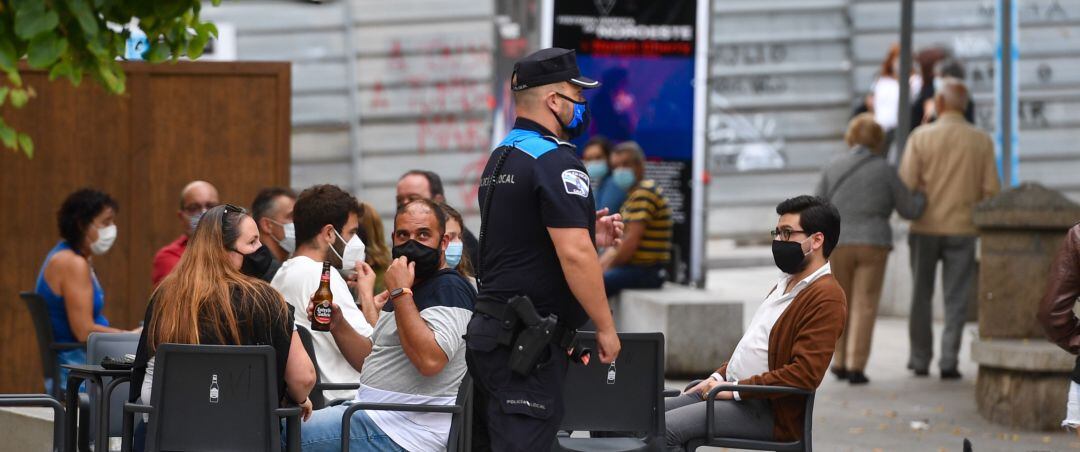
[(29, 429), (1022, 383), (701, 328)]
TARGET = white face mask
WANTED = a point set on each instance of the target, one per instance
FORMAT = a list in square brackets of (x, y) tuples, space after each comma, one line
[(354, 251), (289, 242), (105, 240)]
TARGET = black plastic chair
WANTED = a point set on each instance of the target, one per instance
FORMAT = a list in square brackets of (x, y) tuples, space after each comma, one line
[(804, 444), (47, 345), (186, 413), (318, 399), (633, 401), (459, 438), (40, 400), (116, 345)]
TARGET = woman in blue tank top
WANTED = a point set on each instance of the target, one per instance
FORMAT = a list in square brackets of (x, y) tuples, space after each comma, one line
[(67, 281)]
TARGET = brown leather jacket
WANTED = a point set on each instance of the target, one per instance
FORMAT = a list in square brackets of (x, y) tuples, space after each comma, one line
[(1056, 310)]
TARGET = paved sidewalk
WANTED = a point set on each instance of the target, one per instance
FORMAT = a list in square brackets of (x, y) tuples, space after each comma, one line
[(899, 412)]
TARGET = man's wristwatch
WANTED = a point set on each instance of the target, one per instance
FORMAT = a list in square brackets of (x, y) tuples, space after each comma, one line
[(394, 294)]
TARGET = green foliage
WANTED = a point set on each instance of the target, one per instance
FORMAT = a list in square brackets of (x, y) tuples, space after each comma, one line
[(72, 38)]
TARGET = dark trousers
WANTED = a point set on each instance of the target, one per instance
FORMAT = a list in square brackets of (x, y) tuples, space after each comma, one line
[(633, 277), (957, 254), (512, 413)]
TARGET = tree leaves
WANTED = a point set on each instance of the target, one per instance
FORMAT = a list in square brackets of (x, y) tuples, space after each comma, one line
[(88, 21), (8, 135), (19, 98), (159, 51), (33, 19), (203, 33), (27, 145), (8, 60), (45, 49), (70, 39)]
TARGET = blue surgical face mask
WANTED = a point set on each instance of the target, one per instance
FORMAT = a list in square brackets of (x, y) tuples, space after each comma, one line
[(453, 253), (597, 170), (193, 222), (580, 122), (623, 178)]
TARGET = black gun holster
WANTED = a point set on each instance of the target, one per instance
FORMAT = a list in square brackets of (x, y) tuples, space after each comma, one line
[(525, 332)]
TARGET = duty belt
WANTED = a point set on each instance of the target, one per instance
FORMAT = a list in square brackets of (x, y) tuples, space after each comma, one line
[(561, 337)]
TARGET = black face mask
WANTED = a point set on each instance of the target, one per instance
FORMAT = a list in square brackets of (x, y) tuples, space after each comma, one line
[(426, 258), (788, 256), (257, 263), (580, 122)]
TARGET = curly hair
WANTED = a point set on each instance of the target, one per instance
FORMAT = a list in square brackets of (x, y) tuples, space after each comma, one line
[(79, 210)]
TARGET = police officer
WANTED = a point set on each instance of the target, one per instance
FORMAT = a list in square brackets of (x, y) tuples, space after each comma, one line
[(538, 240)]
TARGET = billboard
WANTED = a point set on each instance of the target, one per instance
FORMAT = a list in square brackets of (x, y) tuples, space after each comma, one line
[(648, 56)]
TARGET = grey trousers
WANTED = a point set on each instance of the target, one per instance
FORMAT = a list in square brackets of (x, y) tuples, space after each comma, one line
[(957, 254), (685, 418)]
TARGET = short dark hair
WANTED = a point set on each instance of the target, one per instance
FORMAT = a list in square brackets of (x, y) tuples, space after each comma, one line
[(319, 206), (598, 140), (816, 214), (264, 201), (950, 67), (79, 210), (436, 209), (433, 180)]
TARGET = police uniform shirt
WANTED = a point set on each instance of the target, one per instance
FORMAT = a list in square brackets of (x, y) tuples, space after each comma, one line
[(542, 184)]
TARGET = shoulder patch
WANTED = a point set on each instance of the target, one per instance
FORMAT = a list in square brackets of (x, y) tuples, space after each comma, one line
[(529, 142), (576, 182)]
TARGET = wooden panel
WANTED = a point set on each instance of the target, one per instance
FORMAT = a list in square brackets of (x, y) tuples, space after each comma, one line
[(74, 149), (224, 122)]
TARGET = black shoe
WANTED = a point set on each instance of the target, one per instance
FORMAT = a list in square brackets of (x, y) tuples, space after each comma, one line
[(857, 378), (919, 372), (951, 374), (840, 372)]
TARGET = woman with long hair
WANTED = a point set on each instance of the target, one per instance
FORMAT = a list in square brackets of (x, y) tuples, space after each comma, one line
[(885, 93), (377, 254), (455, 258), (208, 300)]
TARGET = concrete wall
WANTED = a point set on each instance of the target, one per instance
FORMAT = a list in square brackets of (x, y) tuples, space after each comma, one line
[(784, 76), (413, 76)]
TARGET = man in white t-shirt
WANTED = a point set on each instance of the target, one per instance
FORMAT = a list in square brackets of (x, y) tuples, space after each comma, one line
[(419, 352), (326, 219)]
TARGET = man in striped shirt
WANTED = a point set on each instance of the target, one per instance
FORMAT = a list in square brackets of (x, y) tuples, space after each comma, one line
[(639, 262)]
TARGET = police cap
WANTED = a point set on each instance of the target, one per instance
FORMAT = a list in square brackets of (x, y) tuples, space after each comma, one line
[(546, 66)]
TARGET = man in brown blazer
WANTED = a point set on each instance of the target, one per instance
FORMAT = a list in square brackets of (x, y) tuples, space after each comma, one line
[(952, 162), (789, 342)]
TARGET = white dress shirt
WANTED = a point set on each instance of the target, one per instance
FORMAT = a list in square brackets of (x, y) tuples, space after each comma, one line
[(297, 280), (751, 356)]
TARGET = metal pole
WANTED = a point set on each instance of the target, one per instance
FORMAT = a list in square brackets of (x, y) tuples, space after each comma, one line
[(351, 81), (903, 125), (1007, 129)]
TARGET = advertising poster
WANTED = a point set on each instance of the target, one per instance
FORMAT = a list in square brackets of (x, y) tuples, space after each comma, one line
[(645, 53)]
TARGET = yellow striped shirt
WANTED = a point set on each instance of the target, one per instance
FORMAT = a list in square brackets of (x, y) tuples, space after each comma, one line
[(647, 203)]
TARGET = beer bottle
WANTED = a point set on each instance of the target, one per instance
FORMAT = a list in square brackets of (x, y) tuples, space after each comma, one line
[(323, 298)]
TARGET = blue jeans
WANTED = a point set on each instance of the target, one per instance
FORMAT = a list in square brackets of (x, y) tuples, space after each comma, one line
[(75, 356), (323, 432), (633, 277)]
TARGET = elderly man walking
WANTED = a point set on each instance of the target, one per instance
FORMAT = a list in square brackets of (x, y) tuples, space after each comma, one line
[(952, 162)]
